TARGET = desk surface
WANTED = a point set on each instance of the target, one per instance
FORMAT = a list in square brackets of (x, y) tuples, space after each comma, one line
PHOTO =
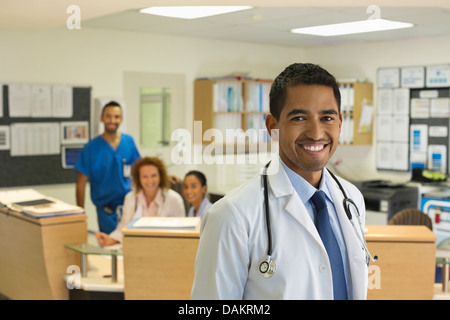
[(399, 233)]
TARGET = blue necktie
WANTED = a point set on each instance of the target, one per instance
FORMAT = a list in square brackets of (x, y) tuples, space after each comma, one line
[(331, 245)]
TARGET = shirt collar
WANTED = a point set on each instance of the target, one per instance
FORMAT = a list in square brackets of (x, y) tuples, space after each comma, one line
[(158, 198), (303, 188)]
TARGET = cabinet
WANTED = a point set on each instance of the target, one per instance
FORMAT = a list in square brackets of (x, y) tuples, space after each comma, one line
[(225, 104), (357, 113)]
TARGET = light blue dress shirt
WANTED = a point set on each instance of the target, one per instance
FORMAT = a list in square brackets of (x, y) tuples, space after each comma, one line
[(201, 210), (305, 191)]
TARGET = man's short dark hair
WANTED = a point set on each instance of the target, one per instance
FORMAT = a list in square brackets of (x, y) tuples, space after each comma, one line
[(111, 104), (296, 74)]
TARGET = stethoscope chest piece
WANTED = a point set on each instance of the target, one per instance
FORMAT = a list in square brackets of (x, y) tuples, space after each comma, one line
[(268, 268)]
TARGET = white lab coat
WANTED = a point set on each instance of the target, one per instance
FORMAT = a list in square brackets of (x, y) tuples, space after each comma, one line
[(233, 243)]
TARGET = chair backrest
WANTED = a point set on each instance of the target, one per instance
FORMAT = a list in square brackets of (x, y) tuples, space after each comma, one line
[(411, 216), (178, 187)]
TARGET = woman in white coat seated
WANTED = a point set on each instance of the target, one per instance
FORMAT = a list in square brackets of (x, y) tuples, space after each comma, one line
[(151, 197)]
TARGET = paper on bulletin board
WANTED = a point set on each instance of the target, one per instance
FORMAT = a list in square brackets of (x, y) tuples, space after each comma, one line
[(413, 77), (419, 137), (41, 101), (418, 159), (400, 156), (19, 96), (385, 104), (40, 138), (439, 108), (400, 129), (438, 76), (62, 102), (438, 131), (437, 158), (384, 155), (420, 108), (384, 128), (388, 78), (401, 101), (365, 121)]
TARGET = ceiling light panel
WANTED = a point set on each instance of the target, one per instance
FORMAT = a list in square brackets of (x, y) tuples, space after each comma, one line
[(338, 29), (192, 12)]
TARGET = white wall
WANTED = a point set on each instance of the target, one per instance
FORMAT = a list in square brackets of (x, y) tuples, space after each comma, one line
[(99, 58)]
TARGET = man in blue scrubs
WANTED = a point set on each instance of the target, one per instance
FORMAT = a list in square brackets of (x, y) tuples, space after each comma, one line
[(106, 163)]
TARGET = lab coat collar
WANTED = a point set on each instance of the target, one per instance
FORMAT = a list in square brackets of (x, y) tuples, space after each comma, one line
[(281, 186)]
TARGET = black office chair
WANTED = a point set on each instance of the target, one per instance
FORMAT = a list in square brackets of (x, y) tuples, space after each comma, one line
[(178, 187), (411, 216)]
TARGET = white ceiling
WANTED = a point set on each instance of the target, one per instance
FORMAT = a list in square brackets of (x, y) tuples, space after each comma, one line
[(265, 24), (271, 25)]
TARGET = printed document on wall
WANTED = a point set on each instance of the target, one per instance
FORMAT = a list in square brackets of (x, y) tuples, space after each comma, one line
[(385, 101), (400, 126), (40, 138), (19, 100), (419, 137), (384, 128), (384, 155), (420, 108), (401, 101), (400, 156), (437, 158), (62, 101), (41, 101)]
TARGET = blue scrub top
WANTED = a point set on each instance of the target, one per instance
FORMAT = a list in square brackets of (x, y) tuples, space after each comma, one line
[(104, 167)]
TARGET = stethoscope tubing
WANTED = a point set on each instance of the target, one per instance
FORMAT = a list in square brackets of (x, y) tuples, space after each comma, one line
[(346, 209)]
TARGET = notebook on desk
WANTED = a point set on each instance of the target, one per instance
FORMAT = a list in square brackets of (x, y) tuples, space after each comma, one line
[(32, 203)]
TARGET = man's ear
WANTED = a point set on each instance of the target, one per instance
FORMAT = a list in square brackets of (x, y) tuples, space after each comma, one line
[(271, 125)]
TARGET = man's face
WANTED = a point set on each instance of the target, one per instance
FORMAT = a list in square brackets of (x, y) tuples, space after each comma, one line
[(309, 129), (111, 118)]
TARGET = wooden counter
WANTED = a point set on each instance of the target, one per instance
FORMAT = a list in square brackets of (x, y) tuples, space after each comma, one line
[(159, 264), (406, 262), (33, 260)]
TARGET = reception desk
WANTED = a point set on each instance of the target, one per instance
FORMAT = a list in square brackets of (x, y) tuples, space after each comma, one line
[(159, 264), (406, 262), (33, 259)]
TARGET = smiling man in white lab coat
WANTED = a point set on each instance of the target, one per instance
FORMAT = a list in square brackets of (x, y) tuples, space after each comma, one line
[(305, 108)]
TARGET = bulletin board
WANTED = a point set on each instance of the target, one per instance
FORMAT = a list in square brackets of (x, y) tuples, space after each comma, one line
[(413, 110), (46, 167), (433, 147)]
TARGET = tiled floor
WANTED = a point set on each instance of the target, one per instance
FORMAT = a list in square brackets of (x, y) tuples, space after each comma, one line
[(439, 294)]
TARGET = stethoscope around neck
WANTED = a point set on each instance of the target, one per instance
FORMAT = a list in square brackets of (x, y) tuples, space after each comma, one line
[(268, 266)]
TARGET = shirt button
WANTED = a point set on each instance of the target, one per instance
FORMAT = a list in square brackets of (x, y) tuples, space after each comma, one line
[(323, 268)]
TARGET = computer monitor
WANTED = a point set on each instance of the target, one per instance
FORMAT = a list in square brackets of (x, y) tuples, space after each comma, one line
[(69, 156)]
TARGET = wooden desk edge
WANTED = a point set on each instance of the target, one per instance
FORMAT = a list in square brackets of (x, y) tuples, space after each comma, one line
[(399, 233), (162, 233), (43, 221)]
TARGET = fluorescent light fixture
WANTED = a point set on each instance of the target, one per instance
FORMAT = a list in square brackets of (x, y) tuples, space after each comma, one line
[(338, 29), (192, 12)]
